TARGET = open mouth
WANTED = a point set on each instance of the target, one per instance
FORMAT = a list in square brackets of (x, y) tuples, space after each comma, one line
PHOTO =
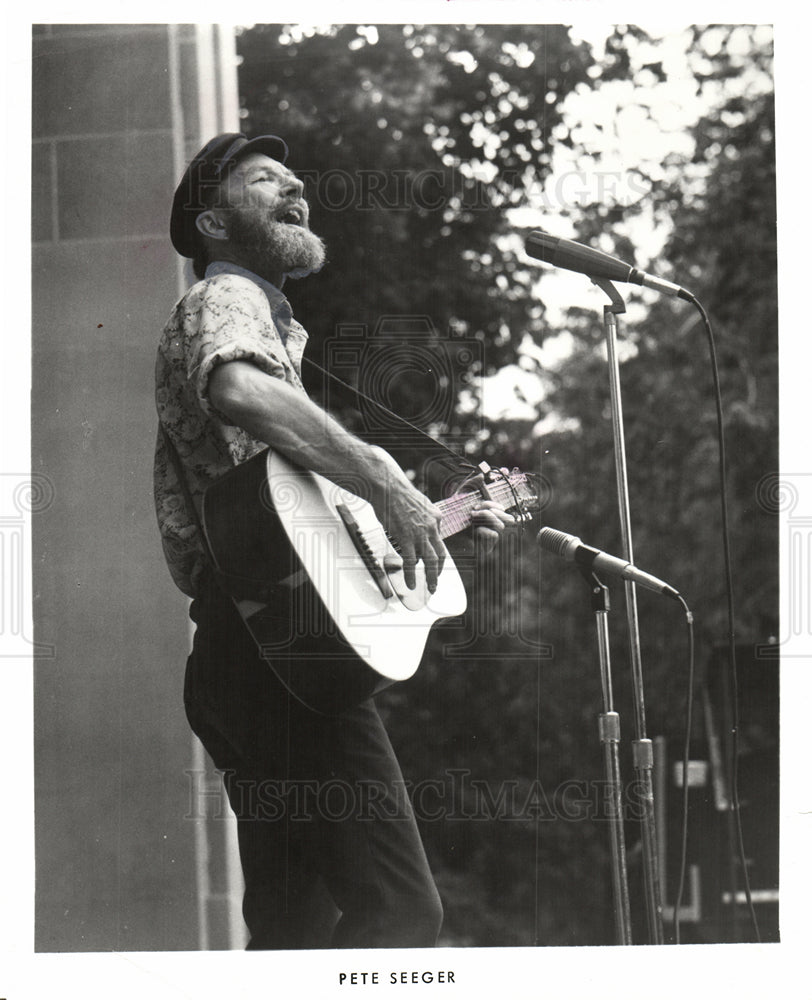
[(293, 216)]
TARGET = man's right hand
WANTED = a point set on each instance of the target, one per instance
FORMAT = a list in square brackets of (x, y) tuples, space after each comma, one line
[(410, 520)]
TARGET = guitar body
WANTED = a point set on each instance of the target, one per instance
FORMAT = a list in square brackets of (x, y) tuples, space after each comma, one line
[(310, 569)]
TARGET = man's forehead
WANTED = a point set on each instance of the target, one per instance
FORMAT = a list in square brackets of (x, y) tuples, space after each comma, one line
[(258, 161)]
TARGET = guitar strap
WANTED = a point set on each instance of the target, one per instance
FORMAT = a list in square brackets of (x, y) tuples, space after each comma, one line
[(411, 434)]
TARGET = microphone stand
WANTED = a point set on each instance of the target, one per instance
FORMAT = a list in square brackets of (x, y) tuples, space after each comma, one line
[(609, 731), (642, 749)]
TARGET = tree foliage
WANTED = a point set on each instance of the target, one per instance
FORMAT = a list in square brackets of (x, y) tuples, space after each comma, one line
[(414, 140)]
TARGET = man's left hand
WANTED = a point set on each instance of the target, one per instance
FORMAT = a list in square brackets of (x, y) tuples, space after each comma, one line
[(489, 522)]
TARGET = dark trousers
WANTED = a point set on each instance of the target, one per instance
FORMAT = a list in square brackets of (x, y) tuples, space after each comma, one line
[(324, 822)]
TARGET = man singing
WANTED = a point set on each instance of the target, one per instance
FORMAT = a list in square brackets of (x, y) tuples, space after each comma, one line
[(228, 385)]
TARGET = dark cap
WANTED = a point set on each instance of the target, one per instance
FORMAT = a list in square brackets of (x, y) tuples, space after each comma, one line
[(204, 173)]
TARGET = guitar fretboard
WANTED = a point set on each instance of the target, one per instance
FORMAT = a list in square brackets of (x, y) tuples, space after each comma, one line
[(456, 510)]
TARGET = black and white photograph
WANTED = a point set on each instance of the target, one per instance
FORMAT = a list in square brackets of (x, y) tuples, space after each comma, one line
[(406, 581)]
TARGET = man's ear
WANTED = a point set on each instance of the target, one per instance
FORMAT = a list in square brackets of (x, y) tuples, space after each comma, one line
[(210, 224)]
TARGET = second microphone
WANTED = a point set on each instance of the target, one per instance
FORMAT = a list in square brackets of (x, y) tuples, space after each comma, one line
[(572, 548)]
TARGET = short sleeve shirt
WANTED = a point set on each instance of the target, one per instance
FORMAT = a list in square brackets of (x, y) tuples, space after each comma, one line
[(231, 315)]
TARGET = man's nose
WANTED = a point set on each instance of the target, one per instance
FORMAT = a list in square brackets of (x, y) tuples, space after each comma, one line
[(293, 188)]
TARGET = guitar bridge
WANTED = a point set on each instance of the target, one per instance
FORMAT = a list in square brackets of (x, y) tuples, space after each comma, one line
[(374, 567)]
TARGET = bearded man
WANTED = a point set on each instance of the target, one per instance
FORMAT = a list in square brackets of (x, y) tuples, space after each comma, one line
[(227, 386)]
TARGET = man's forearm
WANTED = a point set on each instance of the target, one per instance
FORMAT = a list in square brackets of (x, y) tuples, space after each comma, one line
[(280, 416), (286, 420)]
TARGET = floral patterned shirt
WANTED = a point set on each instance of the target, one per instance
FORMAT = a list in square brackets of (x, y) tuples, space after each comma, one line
[(232, 314)]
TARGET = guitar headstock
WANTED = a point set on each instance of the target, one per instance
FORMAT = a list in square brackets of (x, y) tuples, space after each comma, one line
[(517, 491)]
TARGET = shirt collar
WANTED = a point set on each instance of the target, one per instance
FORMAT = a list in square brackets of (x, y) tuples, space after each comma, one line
[(280, 307)]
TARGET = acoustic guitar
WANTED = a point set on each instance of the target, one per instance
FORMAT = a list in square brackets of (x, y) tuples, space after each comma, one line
[(318, 582)]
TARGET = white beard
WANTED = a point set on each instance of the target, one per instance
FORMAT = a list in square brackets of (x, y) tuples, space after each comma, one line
[(293, 250)]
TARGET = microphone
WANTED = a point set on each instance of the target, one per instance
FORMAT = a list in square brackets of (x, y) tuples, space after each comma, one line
[(595, 263), (572, 548)]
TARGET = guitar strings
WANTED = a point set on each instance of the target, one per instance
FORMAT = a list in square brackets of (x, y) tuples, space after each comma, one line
[(454, 510)]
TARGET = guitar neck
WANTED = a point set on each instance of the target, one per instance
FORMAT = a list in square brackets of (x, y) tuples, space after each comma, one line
[(455, 511)]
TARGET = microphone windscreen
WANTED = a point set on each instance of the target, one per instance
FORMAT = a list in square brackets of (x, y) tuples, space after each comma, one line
[(576, 257), (553, 541)]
